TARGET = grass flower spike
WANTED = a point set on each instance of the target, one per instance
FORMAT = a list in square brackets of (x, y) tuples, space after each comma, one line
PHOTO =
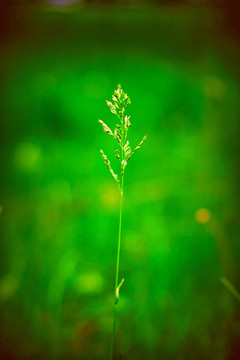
[(118, 105)]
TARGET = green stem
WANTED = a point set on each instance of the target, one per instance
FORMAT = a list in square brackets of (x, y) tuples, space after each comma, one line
[(113, 331), (117, 272)]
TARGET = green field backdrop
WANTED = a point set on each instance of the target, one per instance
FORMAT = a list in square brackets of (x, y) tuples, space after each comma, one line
[(59, 205)]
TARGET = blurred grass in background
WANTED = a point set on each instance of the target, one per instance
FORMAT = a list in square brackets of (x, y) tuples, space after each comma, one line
[(59, 205)]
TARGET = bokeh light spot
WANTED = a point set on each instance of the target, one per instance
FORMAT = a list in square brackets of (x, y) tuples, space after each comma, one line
[(203, 216), (28, 157), (214, 87), (109, 196), (62, 2), (91, 282), (8, 287)]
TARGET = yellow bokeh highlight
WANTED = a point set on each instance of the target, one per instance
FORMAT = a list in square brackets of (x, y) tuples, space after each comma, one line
[(8, 287), (90, 282), (28, 157), (109, 196), (203, 216)]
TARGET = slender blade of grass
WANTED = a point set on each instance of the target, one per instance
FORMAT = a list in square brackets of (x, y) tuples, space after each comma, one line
[(117, 272)]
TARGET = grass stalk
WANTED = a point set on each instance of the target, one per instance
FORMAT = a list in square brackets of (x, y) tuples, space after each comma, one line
[(117, 272), (230, 288), (118, 107)]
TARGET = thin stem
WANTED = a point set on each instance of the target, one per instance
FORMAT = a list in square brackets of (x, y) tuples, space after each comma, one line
[(113, 331), (117, 272), (230, 287)]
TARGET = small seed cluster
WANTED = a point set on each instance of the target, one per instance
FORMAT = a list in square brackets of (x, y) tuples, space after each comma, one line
[(118, 106)]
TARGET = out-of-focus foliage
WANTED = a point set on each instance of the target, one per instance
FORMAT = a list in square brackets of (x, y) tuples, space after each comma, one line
[(59, 206)]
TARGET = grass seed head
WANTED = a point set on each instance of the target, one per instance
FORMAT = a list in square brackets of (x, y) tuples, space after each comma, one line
[(118, 105), (106, 129)]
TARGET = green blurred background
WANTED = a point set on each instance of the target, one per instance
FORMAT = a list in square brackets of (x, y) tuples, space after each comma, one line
[(179, 63)]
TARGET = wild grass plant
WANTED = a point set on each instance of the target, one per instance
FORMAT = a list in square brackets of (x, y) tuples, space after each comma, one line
[(124, 152)]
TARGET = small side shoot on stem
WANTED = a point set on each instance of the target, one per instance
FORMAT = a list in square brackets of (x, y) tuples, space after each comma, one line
[(118, 106)]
